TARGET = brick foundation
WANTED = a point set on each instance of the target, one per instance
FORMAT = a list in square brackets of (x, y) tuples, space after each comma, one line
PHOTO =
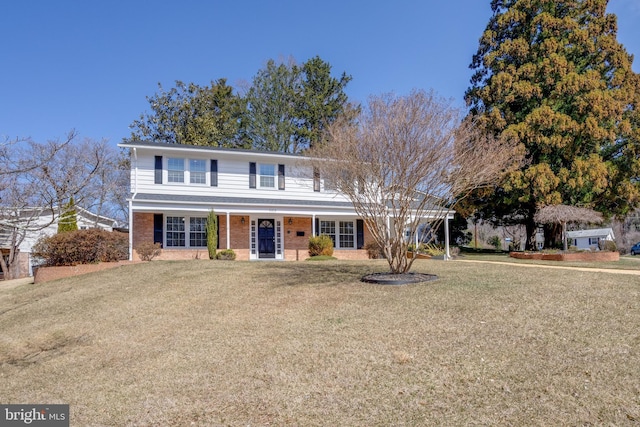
[(295, 238), (573, 256)]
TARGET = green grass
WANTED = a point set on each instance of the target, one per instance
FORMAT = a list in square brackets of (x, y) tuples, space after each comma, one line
[(295, 343)]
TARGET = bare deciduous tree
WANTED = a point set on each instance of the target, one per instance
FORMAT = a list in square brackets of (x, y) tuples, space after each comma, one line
[(37, 179), (407, 160)]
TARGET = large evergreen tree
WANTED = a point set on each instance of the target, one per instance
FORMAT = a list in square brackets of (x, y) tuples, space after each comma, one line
[(193, 114), (551, 75), (289, 105)]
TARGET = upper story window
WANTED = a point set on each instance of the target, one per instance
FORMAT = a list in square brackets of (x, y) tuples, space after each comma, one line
[(197, 171), (267, 176), (175, 168)]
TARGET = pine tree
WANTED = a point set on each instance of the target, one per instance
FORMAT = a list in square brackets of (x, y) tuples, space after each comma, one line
[(68, 220), (552, 76)]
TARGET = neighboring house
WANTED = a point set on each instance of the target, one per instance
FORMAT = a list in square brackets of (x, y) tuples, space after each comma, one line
[(589, 239), (37, 223), (268, 204)]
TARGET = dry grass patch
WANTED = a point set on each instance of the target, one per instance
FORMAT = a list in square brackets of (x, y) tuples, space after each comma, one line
[(210, 343)]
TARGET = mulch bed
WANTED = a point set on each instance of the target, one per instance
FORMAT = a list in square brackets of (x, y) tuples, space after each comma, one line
[(398, 279)]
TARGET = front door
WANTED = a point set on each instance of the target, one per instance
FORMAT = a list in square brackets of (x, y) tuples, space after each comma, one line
[(266, 238)]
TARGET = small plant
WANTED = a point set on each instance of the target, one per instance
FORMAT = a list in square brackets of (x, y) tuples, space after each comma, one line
[(374, 251), (433, 249), (226, 255), (320, 245), (148, 251), (495, 242), (607, 245)]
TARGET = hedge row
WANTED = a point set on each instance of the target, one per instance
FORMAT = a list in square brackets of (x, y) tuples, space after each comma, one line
[(82, 247)]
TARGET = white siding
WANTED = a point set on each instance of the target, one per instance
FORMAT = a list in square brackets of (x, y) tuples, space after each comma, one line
[(233, 176)]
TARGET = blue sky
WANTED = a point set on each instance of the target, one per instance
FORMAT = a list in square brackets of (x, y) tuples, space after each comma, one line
[(89, 65)]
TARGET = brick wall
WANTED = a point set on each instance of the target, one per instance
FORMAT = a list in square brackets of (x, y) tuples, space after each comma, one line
[(142, 228)]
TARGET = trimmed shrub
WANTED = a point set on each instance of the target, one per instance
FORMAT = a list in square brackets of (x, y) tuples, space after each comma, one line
[(212, 234), (607, 245), (148, 251), (374, 251), (226, 255), (320, 245), (82, 247)]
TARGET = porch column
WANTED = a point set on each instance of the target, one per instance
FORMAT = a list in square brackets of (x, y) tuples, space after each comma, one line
[(228, 231), (447, 255), (313, 225)]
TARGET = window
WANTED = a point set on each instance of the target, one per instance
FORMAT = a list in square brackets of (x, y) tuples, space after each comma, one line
[(197, 171), (267, 176), (346, 234), (593, 240), (176, 169), (197, 232), (329, 228), (175, 231)]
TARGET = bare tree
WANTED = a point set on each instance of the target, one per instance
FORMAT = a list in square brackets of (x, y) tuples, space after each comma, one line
[(37, 180), (406, 161)]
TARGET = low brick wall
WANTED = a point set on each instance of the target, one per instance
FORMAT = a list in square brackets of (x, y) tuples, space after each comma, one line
[(46, 274), (573, 256)]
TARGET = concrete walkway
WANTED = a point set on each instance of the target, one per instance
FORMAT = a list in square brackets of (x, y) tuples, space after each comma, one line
[(10, 284), (557, 267)]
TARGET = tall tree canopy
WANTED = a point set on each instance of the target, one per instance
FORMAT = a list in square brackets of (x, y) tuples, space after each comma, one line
[(193, 114), (289, 105), (552, 76)]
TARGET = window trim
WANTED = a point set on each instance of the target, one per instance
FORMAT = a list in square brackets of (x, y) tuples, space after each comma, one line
[(184, 235), (337, 236), (273, 177), (170, 178)]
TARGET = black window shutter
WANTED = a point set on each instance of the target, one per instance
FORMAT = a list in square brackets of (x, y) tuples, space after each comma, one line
[(360, 233), (157, 228), (317, 226), (316, 179), (214, 173), (158, 175), (280, 177), (252, 175)]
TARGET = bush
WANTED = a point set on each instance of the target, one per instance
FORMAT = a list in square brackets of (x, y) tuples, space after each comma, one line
[(320, 245), (82, 247), (607, 245), (148, 251), (495, 242), (374, 251), (226, 255)]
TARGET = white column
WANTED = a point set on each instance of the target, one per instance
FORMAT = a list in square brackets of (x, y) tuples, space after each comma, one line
[(228, 231), (131, 230), (313, 225), (447, 255)]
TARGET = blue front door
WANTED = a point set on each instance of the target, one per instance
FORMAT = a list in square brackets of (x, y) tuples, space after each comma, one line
[(266, 238)]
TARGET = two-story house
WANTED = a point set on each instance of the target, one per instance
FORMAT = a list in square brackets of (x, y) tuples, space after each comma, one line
[(268, 204)]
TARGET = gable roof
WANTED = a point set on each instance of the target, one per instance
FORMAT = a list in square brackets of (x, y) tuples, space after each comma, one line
[(595, 232)]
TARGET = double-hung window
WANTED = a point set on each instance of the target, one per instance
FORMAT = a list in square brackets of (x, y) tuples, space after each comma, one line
[(344, 236), (175, 169), (175, 231), (267, 176), (197, 231), (197, 171)]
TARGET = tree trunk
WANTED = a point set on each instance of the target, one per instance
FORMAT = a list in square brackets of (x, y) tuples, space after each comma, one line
[(532, 228)]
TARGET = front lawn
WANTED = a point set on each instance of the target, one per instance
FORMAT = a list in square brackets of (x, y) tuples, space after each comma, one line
[(298, 343)]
